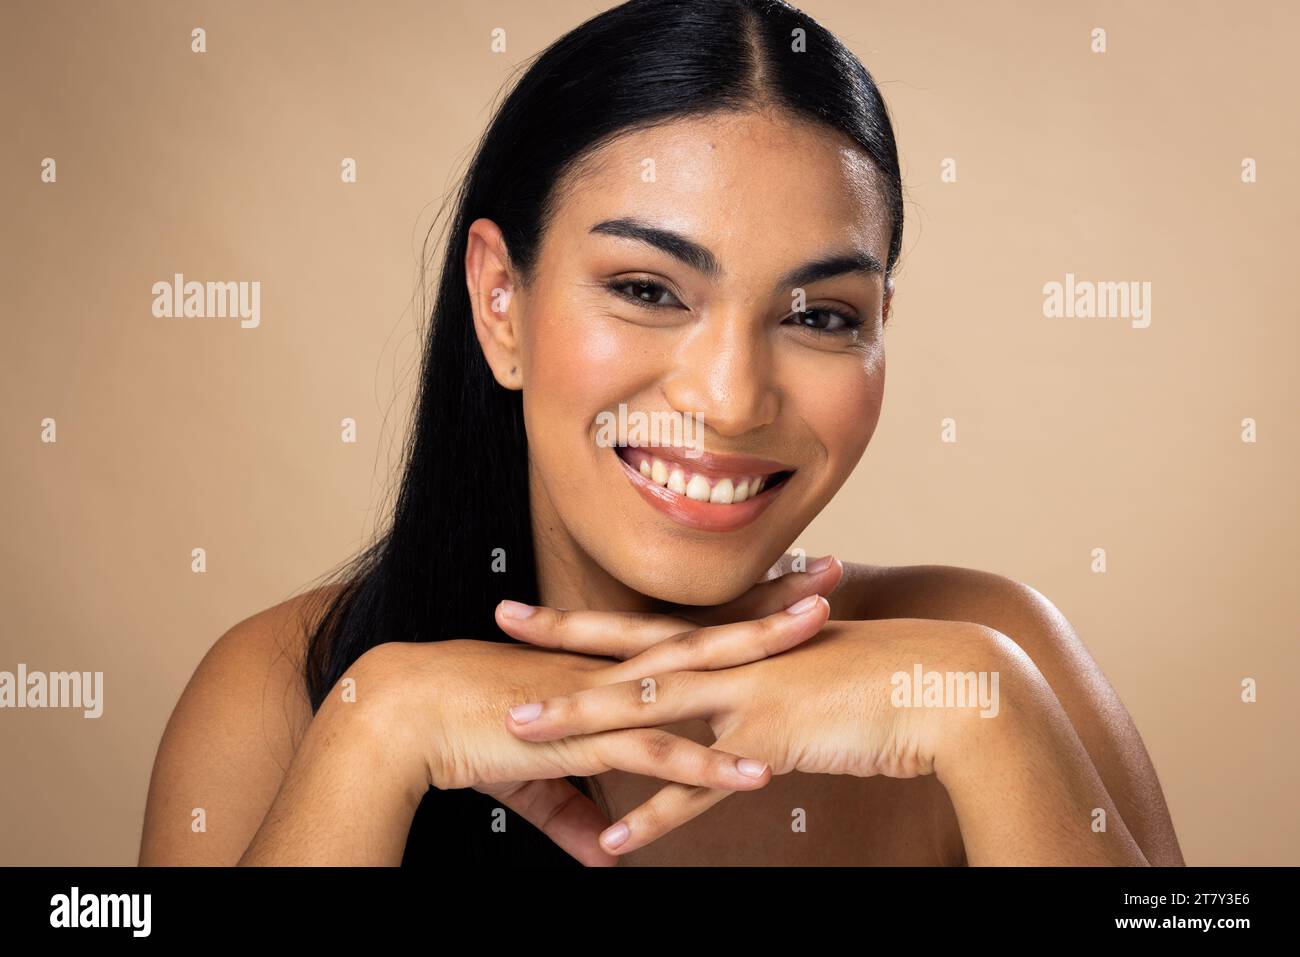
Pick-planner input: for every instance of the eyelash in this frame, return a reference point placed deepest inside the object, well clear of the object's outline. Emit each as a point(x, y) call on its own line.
point(851, 323)
point(616, 286)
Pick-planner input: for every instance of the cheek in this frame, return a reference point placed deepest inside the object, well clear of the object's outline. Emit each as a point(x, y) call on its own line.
point(575, 366)
point(563, 351)
point(842, 411)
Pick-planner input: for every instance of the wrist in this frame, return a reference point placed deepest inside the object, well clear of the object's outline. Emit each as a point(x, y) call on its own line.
point(1022, 785)
point(351, 789)
point(994, 729)
point(369, 712)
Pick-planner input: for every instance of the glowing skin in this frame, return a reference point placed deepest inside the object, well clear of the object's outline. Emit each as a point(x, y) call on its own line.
point(765, 194)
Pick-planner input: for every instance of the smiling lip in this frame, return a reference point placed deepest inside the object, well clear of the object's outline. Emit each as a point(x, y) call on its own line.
point(706, 516)
point(712, 462)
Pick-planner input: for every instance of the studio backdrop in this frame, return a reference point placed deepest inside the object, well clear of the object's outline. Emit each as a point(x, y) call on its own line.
point(1091, 356)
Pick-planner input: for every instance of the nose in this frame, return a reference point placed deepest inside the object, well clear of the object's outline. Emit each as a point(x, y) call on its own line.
point(723, 372)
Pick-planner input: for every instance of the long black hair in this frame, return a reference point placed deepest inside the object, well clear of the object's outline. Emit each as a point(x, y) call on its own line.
point(435, 572)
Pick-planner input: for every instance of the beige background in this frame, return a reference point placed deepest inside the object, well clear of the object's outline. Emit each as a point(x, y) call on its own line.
point(1072, 434)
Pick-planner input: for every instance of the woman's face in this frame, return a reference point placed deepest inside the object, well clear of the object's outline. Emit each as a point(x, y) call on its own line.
point(666, 297)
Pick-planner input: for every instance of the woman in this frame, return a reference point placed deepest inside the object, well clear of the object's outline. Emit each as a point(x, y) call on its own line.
point(684, 213)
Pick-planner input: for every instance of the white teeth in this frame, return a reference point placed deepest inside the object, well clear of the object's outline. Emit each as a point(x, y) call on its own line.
point(722, 493)
point(698, 488)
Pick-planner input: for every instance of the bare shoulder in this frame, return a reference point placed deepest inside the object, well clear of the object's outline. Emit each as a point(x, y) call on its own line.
point(231, 737)
point(950, 593)
point(1030, 619)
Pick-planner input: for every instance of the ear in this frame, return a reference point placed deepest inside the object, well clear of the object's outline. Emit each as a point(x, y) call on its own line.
point(889, 298)
point(492, 294)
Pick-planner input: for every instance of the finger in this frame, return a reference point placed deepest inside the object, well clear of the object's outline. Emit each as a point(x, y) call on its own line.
point(623, 635)
point(612, 634)
point(661, 754)
point(565, 815)
point(670, 808)
point(821, 578)
point(712, 648)
point(637, 703)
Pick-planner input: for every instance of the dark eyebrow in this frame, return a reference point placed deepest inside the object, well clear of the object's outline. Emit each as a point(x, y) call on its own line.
point(674, 244)
point(702, 260)
point(837, 265)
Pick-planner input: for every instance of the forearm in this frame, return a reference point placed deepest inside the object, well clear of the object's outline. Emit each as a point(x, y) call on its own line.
point(348, 797)
point(1023, 786)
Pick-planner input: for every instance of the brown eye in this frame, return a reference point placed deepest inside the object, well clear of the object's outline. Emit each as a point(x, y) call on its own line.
point(643, 292)
point(826, 320)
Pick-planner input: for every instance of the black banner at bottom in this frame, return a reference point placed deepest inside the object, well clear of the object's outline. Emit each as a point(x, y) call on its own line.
point(330, 905)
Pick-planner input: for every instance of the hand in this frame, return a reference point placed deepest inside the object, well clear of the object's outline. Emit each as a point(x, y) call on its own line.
point(823, 707)
point(626, 635)
point(474, 682)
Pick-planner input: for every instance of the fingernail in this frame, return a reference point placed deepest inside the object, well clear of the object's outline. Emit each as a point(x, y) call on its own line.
point(750, 768)
point(804, 606)
point(821, 564)
point(515, 609)
point(615, 836)
point(523, 713)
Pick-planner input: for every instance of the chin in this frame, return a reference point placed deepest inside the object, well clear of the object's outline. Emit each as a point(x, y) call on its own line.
point(688, 583)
